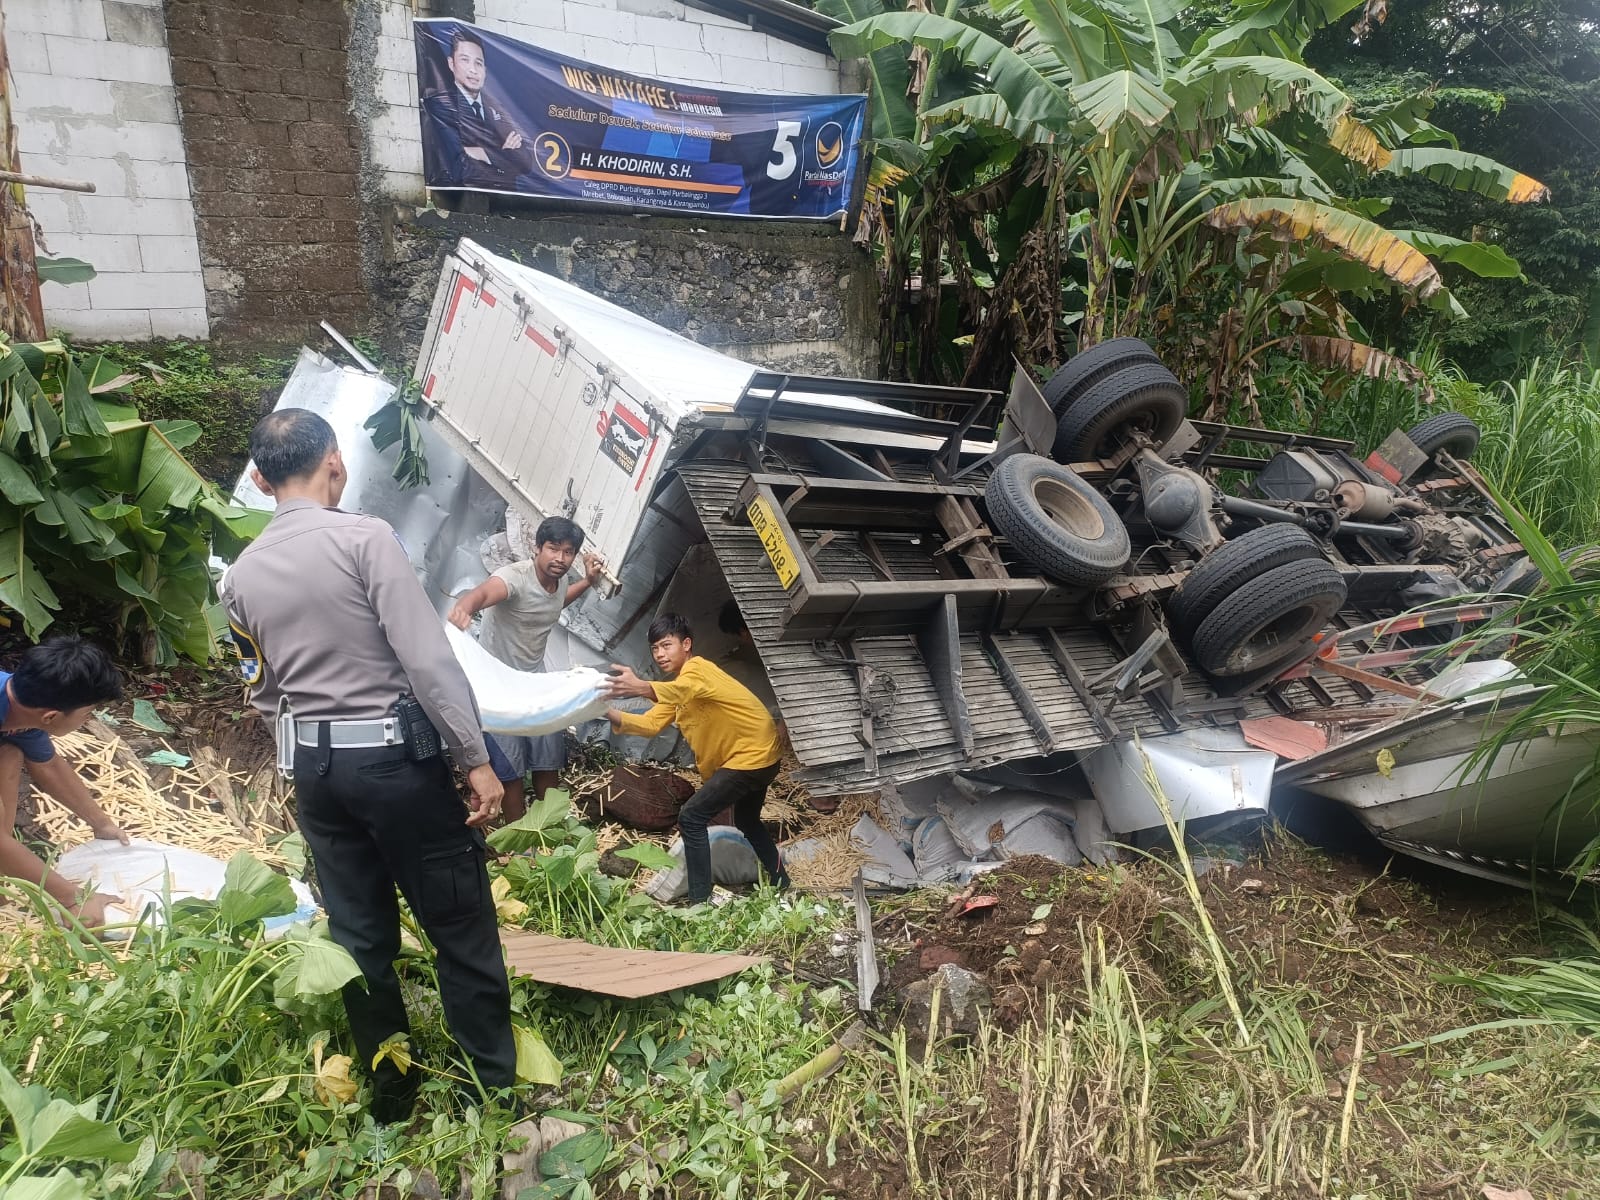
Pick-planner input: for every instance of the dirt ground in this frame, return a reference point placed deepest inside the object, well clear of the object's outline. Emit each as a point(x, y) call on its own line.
point(1359, 937)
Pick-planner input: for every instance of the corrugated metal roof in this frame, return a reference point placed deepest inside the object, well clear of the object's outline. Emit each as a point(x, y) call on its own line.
point(817, 688)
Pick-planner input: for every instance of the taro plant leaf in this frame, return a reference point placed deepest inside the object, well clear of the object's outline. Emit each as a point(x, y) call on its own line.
point(533, 828)
point(535, 1062)
point(63, 1185)
point(649, 856)
point(252, 890)
point(49, 1127)
point(579, 1157)
point(62, 270)
point(318, 965)
point(62, 1130)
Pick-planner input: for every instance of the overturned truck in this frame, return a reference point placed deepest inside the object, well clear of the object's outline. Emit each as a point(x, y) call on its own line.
point(940, 579)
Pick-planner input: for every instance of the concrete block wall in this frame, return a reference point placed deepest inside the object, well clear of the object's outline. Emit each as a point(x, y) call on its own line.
point(665, 39)
point(94, 100)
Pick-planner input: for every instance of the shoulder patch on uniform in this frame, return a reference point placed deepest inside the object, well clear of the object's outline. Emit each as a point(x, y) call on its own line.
point(250, 661)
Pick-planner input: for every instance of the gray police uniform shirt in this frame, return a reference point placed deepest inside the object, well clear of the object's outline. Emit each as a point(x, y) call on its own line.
point(517, 629)
point(329, 613)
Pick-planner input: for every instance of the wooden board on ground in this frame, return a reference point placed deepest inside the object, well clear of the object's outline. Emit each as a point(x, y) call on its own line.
point(630, 974)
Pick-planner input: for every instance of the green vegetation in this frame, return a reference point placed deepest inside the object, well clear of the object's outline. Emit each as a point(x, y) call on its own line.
point(103, 513)
point(203, 1049)
point(1206, 180)
point(201, 1055)
point(223, 395)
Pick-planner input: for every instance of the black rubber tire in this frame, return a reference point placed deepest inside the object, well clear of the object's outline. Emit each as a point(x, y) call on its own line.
point(1056, 521)
point(1446, 431)
point(1233, 564)
point(1146, 395)
point(1272, 619)
point(1522, 578)
point(1098, 362)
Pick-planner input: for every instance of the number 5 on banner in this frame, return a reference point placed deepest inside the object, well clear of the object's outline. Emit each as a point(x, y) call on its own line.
point(783, 147)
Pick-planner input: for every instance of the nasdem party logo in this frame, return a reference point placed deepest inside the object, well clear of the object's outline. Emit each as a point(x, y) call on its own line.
point(830, 145)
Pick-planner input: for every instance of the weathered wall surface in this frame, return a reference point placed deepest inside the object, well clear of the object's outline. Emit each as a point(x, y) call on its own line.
point(274, 157)
point(94, 101)
point(266, 173)
point(784, 296)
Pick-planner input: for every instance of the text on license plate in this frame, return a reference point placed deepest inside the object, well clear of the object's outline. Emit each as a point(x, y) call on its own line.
point(765, 523)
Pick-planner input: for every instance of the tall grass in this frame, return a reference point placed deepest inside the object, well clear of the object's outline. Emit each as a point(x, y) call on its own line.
point(1541, 445)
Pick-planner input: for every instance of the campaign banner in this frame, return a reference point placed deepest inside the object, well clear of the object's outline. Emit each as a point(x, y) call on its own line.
point(500, 115)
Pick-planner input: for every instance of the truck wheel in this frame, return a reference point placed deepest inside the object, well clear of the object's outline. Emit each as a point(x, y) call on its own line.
point(1141, 398)
point(1098, 362)
point(1271, 619)
point(1448, 431)
point(1058, 523)
point(1233, 564)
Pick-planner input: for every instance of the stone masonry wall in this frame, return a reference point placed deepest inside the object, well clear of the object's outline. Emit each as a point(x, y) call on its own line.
point(274, 159)
point(93, 101)
point(787, 297)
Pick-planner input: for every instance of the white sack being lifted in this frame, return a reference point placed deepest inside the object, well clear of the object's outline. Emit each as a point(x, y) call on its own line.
point(527, 703)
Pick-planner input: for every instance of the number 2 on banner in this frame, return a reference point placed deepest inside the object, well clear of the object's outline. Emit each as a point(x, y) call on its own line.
point(783, 147)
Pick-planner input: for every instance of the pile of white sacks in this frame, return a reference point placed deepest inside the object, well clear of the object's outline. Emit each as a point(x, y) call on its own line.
point(950, 828)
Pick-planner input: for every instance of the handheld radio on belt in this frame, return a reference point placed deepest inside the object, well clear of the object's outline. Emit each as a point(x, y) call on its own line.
point(421, 738)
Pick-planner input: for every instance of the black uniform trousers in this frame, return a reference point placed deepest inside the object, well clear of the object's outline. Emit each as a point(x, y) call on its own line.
point(374, 820)
point(744, 792)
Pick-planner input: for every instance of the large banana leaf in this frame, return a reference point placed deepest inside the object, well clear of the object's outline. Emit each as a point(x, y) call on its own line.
point(1274, 26)
point(22, 588)
point(1029, 93)
point(1123, 101)
point(1358, 358)
point(887, 69)
point(1345, 233)
point(1468, 173)
point(1491, 262)
point(1359, 143)
point(1251, 89)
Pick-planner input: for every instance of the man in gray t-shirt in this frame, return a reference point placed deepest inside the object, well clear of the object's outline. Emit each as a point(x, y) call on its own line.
point(521, 603)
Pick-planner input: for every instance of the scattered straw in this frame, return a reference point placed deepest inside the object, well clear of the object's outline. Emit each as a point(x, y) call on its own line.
point(198, 808)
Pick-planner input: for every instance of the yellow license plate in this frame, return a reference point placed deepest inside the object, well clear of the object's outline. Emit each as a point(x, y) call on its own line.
point(765, 523)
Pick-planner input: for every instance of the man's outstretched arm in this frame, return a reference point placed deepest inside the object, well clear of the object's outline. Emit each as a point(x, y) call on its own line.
point(487, 594)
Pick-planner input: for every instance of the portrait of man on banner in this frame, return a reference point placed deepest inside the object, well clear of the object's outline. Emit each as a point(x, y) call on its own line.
point(468, 138)
point(508, 117)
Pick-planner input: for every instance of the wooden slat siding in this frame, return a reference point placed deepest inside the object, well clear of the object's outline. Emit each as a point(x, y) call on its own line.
point(818, 697)
point(631, 974)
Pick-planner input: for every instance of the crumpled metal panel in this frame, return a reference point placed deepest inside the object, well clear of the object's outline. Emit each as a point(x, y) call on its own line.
point(442, 526)
point(1208, 774)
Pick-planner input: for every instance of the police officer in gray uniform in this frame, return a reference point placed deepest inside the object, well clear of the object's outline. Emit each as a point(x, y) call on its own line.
point(331, 620)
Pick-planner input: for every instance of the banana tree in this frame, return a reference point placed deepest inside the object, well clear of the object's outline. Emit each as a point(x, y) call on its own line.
point(1117, 99)
point(103, 508)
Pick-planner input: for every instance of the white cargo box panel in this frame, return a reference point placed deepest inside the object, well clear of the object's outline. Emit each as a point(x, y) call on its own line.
point(567, 404)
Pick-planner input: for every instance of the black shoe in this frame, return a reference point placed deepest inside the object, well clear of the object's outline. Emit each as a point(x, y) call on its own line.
point(394, 1099)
